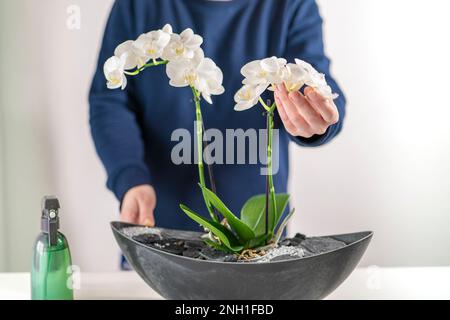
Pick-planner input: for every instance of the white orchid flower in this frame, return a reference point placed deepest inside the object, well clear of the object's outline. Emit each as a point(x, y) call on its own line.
point(167, 29)
point(267, 71)
point(294, 77)
point(327, 92)
point(183, 72)
point(114, 72)
point(316, 80)
point(248, 96)
point(135, 56)
point(153, 43)
point(210, 79)
point(198, 72)
point(259, 75)
point(187, 65)
point(313, 78)
point(182, 46)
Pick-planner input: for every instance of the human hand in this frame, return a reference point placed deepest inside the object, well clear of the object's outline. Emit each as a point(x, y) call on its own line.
point(305, 115)
point(138, 205)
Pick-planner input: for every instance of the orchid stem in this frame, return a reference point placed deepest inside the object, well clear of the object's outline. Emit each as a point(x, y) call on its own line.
point(267, 181)
point(212, 181)
point(270, 189)
point(145, 66)
point(201, 174)
point(264, 104)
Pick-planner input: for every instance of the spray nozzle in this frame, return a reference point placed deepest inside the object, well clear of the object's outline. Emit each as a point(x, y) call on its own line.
point(50, 219)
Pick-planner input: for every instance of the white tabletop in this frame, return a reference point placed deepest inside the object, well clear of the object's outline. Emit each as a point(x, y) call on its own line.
point(364, 283)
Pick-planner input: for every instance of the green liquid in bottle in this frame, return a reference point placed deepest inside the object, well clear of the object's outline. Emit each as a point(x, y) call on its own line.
point(51, 275)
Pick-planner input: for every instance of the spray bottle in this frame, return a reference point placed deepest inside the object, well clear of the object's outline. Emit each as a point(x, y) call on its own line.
point(51, 265)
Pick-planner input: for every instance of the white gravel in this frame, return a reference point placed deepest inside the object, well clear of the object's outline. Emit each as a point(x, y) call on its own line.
point(296, 252)
point(136, 231)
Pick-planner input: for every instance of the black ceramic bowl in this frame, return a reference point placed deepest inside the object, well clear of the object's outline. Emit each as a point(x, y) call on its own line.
point(179, 277)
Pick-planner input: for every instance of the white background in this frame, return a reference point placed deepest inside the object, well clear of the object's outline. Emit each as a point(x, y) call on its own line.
point(389, 170)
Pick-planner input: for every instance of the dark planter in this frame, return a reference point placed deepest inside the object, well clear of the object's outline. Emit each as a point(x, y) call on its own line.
point(179, 277)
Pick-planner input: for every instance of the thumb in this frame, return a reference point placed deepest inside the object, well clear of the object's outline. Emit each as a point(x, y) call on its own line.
point(130, 211)
point(146, 216)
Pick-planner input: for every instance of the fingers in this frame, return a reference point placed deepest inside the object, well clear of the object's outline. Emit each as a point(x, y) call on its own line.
point(302, 115)
point(317, 124)
point(146, 207)
point(326, 108)
point(138, 206)
point(290, 114)
point(284, 117)
point(129, 212)
point(294, 123)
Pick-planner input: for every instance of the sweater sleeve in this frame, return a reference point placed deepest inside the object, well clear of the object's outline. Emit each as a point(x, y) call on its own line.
point(305, 41)
point(112, 114)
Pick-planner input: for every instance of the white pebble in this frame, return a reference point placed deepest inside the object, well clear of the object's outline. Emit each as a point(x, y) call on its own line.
point(136, 231)
point(281, 251)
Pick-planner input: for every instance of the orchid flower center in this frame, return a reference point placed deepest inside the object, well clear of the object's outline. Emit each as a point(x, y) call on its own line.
point(262, 74)
point(151, 51)
point(245, 95)
point(179, 51)
point(114, 80)
point(190, 78)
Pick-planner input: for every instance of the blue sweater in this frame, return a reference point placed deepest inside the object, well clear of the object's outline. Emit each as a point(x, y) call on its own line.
point(132, 128)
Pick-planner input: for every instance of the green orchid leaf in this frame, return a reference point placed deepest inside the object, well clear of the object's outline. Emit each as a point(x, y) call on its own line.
point(282, 202)
point(226, 236)
point(216, 245)
point(258, 241)
point(243, 231)
point(283, 226)
point(253, 212)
